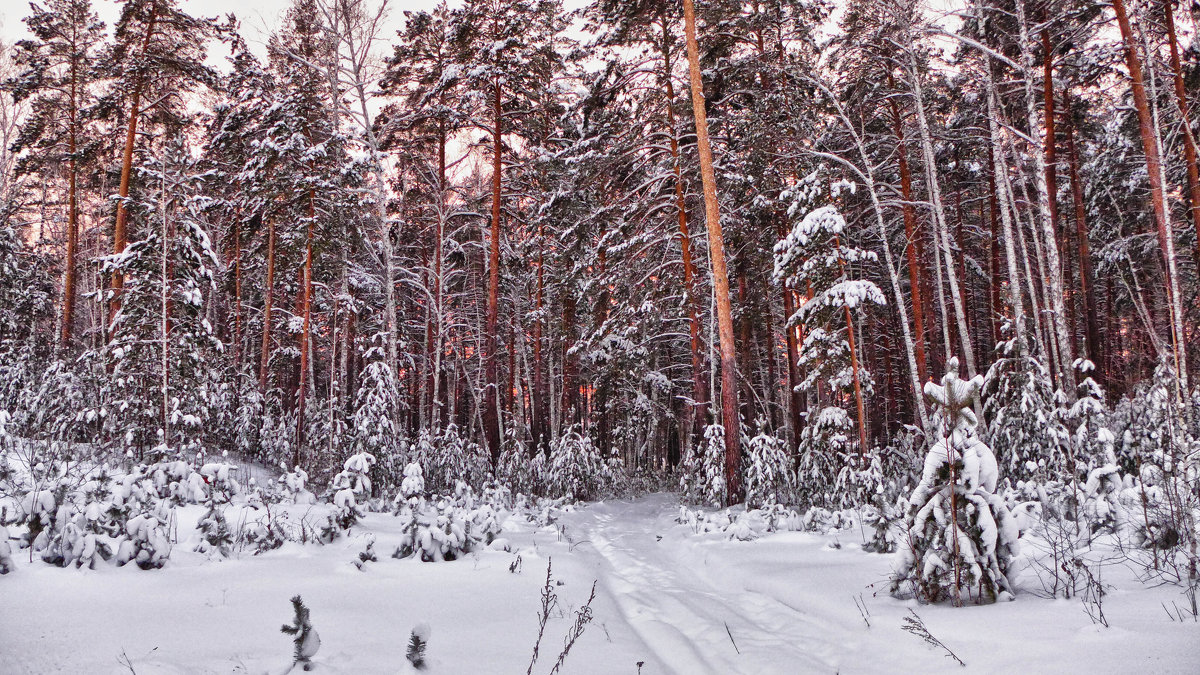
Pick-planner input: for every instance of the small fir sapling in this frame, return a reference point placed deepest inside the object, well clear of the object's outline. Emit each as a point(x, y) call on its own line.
point(306, 640)
point(961, 537)
point(215, 535)
point(418, 640)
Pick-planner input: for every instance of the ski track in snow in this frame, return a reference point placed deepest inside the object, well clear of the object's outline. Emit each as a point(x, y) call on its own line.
point(692, 622)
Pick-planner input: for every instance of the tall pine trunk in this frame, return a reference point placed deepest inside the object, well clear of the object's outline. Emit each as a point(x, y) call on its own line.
point(491, 412)
point(716, 247)
point(1189, 139)
point(699, 388)
point(1158, 200)
point(119, 236)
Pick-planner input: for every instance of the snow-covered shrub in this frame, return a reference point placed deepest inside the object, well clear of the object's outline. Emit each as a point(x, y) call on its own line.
point(702, 478)
point(176, 481)
point(886, 523)
point(741, 524)
point(768, 473)
point(146, 540)
point(215, 536)
point(6, 560)
point(1091, 441)
point(350, 487)
point(961, 537)
point(222, 486)
point(576, 469)
point(1022, 415)
point(520, 472)
point(294, 486)
point(265, 533)
point(825, 450)
point(446, 528)
point(414, 482)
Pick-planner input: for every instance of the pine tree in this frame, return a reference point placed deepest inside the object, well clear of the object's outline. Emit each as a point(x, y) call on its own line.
point(961, 537)
point(59, 69)
point(816, 257)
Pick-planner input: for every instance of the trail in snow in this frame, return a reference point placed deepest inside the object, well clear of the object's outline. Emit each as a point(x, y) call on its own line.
point(697, 620)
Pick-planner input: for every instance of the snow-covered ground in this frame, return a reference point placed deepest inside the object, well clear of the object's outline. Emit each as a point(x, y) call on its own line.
point(667, 598)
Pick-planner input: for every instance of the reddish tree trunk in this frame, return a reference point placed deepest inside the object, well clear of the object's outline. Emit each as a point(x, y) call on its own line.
point(306, 312)
point(699, 384)
point(1153, 169)
point(716, 245)
point(491, 415)
point(1189, 140)
point(119, 236)
point(1086, 279)
point(265, 360)
point(911, 243)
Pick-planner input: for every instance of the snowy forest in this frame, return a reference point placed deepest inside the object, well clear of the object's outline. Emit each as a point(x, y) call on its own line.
point(786, 326)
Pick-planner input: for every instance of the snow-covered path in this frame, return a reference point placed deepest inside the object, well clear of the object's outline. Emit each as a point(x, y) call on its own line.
point(695, 623)
point(790, 603)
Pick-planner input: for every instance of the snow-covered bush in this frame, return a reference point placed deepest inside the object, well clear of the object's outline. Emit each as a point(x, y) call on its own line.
point(350, 487)
point(825, 449)
point(147, 542)
point(215, 535)
point(576, 469)
point(741, 524)
point(294, 486)
point(520, 472)
point(222, 486)
point(702, 473)
point(6, 561)
point(961, 537)
point(446, 528)
point(768, 472)
point(1022, 414)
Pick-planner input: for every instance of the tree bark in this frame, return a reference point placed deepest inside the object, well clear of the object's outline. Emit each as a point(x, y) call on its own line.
point(302, 387)
point(910, 234)
point(1048, 215)
point(1086, 279)
point(68, 306)
point(699, 388)
point(491, 413)
point(1157, 193)
point(1185, 120)
point(716, 245)
point(119, 236)
point(265, 360)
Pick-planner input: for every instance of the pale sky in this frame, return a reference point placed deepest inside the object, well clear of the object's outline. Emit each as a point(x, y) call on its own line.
point(257, 17)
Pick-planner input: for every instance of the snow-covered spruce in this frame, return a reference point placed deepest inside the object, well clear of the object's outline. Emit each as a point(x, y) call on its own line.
point(418, 641)
point(1021, 412)
point(576, 469)
point(702, 473)
point(961, 537)
point(768, 478)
